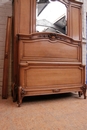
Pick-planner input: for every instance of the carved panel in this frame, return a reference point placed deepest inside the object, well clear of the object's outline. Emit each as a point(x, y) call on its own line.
point(75, 21)
point(51, 48)
point(47, 75)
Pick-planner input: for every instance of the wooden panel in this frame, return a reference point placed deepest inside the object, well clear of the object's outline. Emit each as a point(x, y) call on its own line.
point(24, 17)
point(48, 47)
point(15, 28)
point(27, 16)
point(48, 50)
point(33, 16)
point(74, 21)
point(6, 59)
point(24, 21)
point(75, 18)
point(49, 76)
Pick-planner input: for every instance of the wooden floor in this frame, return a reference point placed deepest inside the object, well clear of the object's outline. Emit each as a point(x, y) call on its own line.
point(55, 112)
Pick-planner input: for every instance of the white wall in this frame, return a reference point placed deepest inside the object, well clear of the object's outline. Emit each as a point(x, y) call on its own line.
point(84, 31)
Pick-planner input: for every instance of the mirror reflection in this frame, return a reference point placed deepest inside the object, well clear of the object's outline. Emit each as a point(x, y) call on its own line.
point(51, 16)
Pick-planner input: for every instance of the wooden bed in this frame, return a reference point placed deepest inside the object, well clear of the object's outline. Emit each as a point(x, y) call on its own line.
point(49, 63)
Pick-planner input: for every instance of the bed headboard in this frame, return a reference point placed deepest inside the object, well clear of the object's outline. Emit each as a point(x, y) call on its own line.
point(48, 47)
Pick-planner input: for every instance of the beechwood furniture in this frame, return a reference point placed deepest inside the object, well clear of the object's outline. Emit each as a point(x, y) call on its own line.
point(6, 59)
point(46, 62)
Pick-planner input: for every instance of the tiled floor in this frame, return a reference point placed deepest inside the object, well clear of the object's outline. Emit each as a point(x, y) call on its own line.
point(56, 112)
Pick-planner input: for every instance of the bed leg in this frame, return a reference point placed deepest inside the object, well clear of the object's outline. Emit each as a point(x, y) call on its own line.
point(84, 91)
point(21, 93)
point(14, 92)
point(80, 93)
point(19, 96)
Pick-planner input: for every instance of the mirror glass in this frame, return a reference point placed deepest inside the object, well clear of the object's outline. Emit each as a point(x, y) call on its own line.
point(51, 16)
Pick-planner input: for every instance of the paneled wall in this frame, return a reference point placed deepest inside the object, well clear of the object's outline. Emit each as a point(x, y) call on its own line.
point(5, 10)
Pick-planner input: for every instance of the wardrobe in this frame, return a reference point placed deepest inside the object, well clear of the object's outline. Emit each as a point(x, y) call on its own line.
point(46, 62)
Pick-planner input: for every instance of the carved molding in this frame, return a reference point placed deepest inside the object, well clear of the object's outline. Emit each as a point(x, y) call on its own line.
point(47, 35)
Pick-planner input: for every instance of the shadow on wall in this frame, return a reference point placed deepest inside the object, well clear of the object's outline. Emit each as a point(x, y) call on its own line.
point(5, 11)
